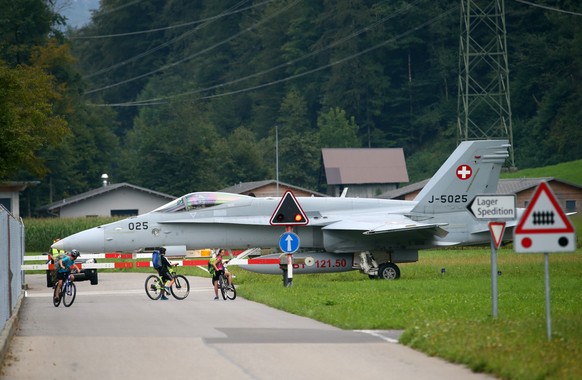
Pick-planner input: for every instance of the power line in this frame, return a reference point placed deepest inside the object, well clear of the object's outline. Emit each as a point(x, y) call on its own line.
point(275, 14)
point(154, 49)
point(211, 18)
point(548, 8)
point(108, 11)
point(334, 63)
point(289, 63)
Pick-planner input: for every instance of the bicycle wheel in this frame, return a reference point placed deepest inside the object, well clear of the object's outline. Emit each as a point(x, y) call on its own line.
point(56, 301)
point(153, 288)
point(69, 294)
point(181, 287)
point(230, 291)
point(221, 285)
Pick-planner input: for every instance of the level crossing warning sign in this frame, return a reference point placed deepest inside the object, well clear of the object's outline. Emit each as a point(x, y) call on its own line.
point(544, 227)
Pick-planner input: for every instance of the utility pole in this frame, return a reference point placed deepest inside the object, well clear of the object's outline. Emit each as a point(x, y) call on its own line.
point(484, 105)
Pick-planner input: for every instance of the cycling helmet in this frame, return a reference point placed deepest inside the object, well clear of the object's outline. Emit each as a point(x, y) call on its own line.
point(75, 253)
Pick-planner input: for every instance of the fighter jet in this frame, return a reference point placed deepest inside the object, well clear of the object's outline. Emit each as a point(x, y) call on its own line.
point(342, 234)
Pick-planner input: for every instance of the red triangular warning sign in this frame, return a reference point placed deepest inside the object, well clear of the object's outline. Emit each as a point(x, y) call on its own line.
point(544, 214)
point(544, 227)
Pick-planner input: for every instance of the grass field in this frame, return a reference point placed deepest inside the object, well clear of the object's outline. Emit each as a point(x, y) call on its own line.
point(449, 315)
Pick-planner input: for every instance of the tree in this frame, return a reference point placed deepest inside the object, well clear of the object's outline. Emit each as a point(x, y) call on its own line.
point(241, 158)
point(172, 149)
point(299, 159)
point(25, 24)
point(293, 114)
point(336, 131)
point(28, 122)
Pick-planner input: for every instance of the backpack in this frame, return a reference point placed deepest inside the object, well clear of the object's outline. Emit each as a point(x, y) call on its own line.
point(210, 266)
point(56, 260)
point(156, 262)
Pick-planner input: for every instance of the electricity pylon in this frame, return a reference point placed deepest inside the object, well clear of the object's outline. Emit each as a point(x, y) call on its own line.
point(484, 106)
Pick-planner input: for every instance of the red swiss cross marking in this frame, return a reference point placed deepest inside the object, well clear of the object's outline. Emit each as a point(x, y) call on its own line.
point(464, 172)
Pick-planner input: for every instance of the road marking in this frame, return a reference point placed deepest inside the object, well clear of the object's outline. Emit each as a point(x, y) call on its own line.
point(377, 334)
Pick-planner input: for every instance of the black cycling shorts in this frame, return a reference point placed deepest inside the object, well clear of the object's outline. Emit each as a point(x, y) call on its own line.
point(216, 274)
point(165, 274)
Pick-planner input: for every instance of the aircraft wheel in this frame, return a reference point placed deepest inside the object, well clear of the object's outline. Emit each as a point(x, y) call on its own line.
point(389, 271)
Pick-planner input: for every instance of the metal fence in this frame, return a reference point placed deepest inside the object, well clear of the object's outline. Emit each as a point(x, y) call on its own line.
point(11, 258)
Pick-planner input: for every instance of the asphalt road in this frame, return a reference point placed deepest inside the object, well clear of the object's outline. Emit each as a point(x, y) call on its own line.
point(114, 331)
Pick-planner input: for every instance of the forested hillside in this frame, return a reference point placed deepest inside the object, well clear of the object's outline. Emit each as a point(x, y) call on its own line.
point(180, 96)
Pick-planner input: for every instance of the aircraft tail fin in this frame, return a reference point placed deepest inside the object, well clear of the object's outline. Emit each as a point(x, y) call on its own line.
point(472, 169)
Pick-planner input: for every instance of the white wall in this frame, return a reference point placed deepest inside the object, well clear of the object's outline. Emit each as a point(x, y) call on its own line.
point(120, 199)
point(14, 196)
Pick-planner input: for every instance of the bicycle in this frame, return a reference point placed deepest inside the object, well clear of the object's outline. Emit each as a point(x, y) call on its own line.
point(226, 291)
point(155, 287)
point(68, 292)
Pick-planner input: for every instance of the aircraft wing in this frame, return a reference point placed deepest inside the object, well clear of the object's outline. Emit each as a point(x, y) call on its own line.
point(388, 224)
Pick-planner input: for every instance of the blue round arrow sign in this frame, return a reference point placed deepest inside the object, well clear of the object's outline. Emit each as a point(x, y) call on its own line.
point(289, 242)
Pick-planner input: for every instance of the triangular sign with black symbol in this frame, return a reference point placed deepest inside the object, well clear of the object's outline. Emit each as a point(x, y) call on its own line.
point(289, 212)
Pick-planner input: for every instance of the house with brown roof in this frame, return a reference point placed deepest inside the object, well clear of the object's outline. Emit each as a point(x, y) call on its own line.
point(270, 188)
point(121, 199)
point(569, 195)
point(366, 172)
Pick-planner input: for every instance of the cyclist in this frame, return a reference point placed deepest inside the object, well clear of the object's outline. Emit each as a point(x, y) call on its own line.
point(218, 267)
point(64, 269)
point(164, 272)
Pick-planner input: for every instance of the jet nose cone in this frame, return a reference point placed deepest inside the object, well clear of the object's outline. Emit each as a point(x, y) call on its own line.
point(58, 245)
point(91, 241)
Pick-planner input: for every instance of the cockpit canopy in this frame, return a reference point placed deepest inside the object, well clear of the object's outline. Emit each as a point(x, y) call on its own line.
point(195, 201)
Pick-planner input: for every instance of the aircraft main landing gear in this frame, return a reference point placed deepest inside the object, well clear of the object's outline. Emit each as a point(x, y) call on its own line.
point(389, 271)
point(386, 271)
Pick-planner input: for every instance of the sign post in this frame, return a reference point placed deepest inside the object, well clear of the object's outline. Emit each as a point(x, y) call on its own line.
point(544, 228)
point(289, 213)
point(494, 207)
point(497, 229)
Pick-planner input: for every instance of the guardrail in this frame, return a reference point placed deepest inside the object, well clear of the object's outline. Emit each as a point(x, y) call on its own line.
point(114, 265)
point(199, 262)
